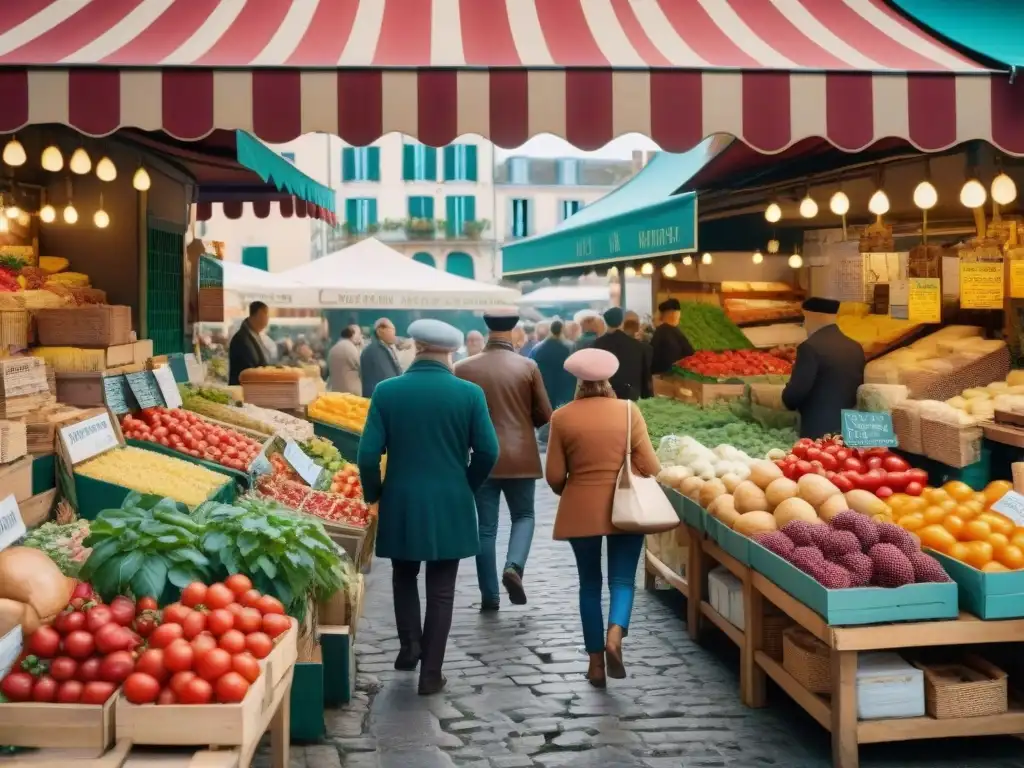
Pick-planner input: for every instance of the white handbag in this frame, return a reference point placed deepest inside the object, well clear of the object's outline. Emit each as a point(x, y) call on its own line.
point(639, 506)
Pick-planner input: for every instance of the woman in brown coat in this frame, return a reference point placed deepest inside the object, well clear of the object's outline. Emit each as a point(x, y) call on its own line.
point(586, 450)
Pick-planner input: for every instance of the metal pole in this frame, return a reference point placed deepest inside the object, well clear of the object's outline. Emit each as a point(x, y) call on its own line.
point(622, 287)
point(494, 213)
point(324, 226)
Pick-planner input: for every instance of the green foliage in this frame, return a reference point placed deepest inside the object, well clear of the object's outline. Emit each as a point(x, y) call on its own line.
point(707, 327)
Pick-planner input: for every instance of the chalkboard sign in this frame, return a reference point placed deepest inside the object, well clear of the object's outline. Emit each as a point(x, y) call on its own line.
point(868, 430)
point(178, 367)
point(117, 395)
point(144, 388)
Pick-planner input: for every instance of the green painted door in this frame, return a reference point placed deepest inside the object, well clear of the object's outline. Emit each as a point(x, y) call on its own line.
point(165, 288)
point(424, 258)
point(461, 264)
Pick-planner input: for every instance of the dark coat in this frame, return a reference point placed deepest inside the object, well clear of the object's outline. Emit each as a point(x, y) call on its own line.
point(585, 341)
point(828, 370)
point(245, 351)
point(377, 364)
point(633, 379)
point(550, 356)
point(670, 345)
point(440, 446)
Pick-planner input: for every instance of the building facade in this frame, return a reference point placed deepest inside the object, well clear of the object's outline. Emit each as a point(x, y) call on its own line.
point(451, 208)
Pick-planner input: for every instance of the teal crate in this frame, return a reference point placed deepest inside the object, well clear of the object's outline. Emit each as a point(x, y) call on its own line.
point(242, 478)
point(863, 605)
point(986, 595)
point(694, 515)
point(338, 652)
point(94, 496)
point(307, 698)
point(735, 544)
point(44, 473)
point(675, 499)
point(345, 441)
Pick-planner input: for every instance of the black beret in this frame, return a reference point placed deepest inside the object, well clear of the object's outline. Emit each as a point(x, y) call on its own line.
point(502, 322)
point(614, 316)
point(821, 306)
point(669, 305)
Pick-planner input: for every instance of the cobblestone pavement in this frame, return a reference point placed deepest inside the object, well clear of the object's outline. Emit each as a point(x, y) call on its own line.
point(516, 696)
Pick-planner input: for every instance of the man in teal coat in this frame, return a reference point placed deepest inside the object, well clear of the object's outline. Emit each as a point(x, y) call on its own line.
point(441, 446)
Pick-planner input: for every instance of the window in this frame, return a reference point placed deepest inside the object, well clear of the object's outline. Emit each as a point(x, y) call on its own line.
point(361, 214)
point(421, 207)
point(460, 162)
point(521, 218)
point(360, 164)
point(289, 156)
point(519, 170)
point(459, 210)
point(460, 264)
point(419, 162)
point(424, 258)
point(202, 229)
point(569, 207)
point(256, 256)
point(568, 172)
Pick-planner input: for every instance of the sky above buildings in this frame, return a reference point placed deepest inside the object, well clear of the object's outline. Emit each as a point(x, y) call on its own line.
point(547, 145)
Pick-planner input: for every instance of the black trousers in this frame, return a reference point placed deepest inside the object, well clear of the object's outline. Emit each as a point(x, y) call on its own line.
point(431, 634)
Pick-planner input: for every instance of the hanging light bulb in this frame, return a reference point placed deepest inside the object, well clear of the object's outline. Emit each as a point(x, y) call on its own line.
point(879, 203)
point(14, 153)
point(1004, 191)
point(705, 259)
point(757, 258)
point(52, 160)
point(925, 195)
point(773, 246)
point(687, 261)
point(612, 271)
point(647, 269)
point(70, 214)
point(80, 162)
point(142, 182)
point(24, 219)
point(106, 170)
point(808, 208)
point(839, 204)
point(795, 261)
point(669, 270)
point(629, 272)
point(12, 211)
point(101, 219)
point(972, 194)
point(48, 214)
point(773, 213)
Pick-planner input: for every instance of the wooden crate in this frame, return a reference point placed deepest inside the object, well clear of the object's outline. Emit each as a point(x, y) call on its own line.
point(281, 395)
point(21, 376)
point(13, 441)
point(357, 542)
point(951, 444)
point(66, 726)
point(705, 393)
point(100, 325)
point(36, 510)
point(86, 390)
point(16, 479)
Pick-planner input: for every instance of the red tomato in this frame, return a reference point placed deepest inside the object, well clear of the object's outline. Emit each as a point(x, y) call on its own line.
point(116, 667)
point(194, 594)
point(97, 692)
point(68, 621)
point(274, 624)
point(874, 462)
point(829, 462)
point(919, 476)
point(219, 596)
point(97, 616)
point(151, 663)
point(202, 643)
point(268, 604)
point(212, 664)
point(88, 670)
point(166, 697)
point(175, 613)
point(145, 604)
point(884, 492)
point(897, 480)
point(141, 688)
point(259, 645)
point(196, 691)
point(249, 620)
point(245, 665)
point(238, 583)
point(250, 598)
point(232, 641)
point(113, 637)
point(914, 489)
point(63, 668)
point(44, 642)
point(165, 634)
point(17, 686)
point(894, 464)
point(178, 656)
point(145, 623)
point(45, 689)
point(122, 610)
point(843, 483)
point(79, 644)
point(194, 624)
point(180, 680)
point(231, 688)
point(70, 692)
point(220, 621)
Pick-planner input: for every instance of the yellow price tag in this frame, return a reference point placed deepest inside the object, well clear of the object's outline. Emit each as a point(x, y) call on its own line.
point(1017, 279)
point(924, 300)
point(981, 285)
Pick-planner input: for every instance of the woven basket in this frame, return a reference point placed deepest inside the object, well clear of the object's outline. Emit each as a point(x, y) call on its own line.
point(974, 688)
point(775, 627)
point(978, 373)
point(806, 658)
point(951, 444)
point(14, 328)
point(906, 423)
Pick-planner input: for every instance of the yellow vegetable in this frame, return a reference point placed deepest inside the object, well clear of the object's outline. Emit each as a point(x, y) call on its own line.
point(53, 264)
point(150, 472)
point(340, 409)
point(71, 279)
point(72, 359)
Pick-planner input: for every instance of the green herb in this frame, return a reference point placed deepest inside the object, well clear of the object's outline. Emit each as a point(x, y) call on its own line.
point(148, 547)
point(707, 327)
point(64, 544)
point(212, 394)
point(324, 453)
point(711, 426)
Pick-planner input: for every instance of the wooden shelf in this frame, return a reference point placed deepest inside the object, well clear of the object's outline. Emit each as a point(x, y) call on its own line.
point(816, 706)
point(911, 728)
point(670, 576)
point(733, 632)
point(730, 563)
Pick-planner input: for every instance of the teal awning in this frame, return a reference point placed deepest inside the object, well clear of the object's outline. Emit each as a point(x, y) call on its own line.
point(274, 169)
point(991, 29)
point(641, 219)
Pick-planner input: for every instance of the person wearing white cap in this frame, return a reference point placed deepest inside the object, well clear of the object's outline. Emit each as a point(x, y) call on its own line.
point(591, 328)
point(427, 421)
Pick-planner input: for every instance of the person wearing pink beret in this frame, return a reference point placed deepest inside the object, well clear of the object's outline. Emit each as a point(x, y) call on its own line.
point(586, 450)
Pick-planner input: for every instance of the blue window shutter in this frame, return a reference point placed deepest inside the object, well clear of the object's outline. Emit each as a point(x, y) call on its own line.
point(451, 205)
point(414, 207)
point(428, 208)
point(371, 217)
point(372, 172)
point(409, 162)
point(348, 164)
point(429, 164)
point(256, 256)
point(424, 258)
point(471, 162)
point(469, 210)
point(352, 214)
point(449, 163)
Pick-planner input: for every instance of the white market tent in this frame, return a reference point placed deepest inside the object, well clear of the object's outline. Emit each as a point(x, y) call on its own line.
point(372, 275)
point(567, 294)
point(253, 284)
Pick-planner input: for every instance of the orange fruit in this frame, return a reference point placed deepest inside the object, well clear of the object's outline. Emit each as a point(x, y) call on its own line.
point(958, 490)
point(911, 522)
point(1017, 539)
point(967, 511)
point(935, 495)
point(979, 553)
point(936, 537)
point(998, 540)
point(897, 501)
point(995, 490)
point(977, 530)
point(997, 522)
point(950, 504)
point(934, 514)
point(979, 497)
point(959, 551)
point(915, 504)
point(1010, 556)
point(954, 524)
point(994, 566)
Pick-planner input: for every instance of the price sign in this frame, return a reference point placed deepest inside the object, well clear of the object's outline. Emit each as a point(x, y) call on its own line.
point(12, 526)
point(924, 300)
point(10, 649)
point(1017, 279)
point(117, 395)
point(981, 285)
point(308, 469)
point(144, 388)
point(1011, 505)
point(868, 430)
point(178, 367)
point(89, 438)
point(168, 386)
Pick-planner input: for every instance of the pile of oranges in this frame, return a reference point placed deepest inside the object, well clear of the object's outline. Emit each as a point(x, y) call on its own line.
point(958, 521)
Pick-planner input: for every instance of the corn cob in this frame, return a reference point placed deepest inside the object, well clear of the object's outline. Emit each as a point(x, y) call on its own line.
point(72, 359)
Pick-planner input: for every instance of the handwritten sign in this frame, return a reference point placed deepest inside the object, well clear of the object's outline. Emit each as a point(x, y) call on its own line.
point(308, 469)
point(868, 430)
point(924, 300)
point(10, 649)
point(1017, 279)
point(168, 386)
point(88, 438)
point(981, 285)
point(178, 367)
point(144, 388)
point(12, 526)
point(1011, 505)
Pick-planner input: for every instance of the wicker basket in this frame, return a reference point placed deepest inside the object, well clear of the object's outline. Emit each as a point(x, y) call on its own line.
point(974, 688)
point(14, 328)
point(978, 373)
point(806, 658)
point(951, 444)
point(775, 626)
point(906, 423)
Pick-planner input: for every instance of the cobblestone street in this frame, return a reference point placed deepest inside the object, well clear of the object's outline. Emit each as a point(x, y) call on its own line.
point(516, 696)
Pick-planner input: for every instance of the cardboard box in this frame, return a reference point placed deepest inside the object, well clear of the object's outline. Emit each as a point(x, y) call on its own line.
point(16, 478)
point(142, 350)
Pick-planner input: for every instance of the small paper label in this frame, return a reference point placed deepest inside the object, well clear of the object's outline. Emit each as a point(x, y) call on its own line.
point(1011, 505)
point(862, 429)
point(168, 386)
point(89, 438)
point(12, 526)
point(308, 469)
point(10, 650)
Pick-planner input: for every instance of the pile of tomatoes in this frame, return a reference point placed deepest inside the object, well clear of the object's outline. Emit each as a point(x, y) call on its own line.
point(186, 432)
point(877, 470)
point(206, 648)
point(82, 657)
point(739, 362)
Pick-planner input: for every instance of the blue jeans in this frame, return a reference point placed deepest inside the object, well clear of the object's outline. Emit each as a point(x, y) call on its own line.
point(623, 553)
point(519, 494)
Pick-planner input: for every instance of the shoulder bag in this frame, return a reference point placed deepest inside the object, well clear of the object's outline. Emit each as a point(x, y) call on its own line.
point(639, 506)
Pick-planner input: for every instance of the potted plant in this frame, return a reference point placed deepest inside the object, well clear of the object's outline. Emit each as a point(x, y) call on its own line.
point(474, 228)
point(419, 227)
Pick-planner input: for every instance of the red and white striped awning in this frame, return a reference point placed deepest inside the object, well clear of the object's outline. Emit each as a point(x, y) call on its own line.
point(770, 72)
point(286, 208)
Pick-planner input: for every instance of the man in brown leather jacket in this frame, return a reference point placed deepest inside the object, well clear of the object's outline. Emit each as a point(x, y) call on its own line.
point(519, 406)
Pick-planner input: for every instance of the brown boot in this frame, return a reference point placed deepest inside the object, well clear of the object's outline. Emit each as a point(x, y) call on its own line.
point(595, 675)
point(613, 653)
